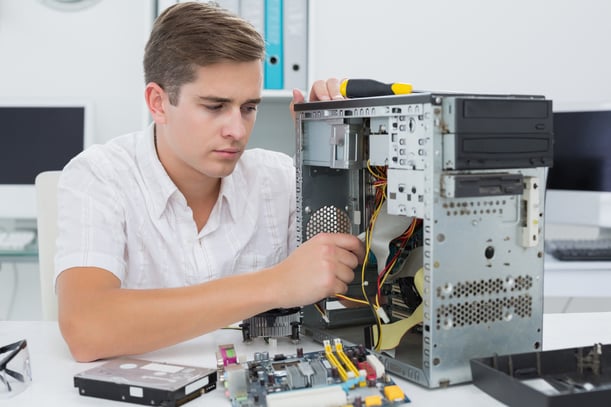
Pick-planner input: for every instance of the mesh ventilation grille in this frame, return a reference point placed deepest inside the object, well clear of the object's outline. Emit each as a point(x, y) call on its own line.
point(490, 286)
point(328, 219)
point(483, 312)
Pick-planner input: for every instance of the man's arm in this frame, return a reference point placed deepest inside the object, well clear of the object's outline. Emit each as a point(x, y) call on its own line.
point(99, 319)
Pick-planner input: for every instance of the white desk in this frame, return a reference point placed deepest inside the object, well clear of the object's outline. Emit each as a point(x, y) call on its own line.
point(53, 368)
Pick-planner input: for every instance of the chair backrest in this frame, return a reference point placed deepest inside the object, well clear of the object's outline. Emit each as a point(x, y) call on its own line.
point(46, 200)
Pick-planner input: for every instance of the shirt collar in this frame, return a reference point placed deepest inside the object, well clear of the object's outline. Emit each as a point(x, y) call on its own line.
point(228, 193)
point(159, 184)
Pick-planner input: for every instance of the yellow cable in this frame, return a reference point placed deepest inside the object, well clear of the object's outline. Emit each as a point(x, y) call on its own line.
point(351, 299)
point(390, 334)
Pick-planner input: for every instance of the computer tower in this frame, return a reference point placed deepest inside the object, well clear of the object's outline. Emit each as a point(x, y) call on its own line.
point(447, 192)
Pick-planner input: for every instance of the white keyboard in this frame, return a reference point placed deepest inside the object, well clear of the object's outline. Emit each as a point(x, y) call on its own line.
point(16, 240)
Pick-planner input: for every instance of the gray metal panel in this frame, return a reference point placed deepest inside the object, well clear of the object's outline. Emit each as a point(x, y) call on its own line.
point(483, 255)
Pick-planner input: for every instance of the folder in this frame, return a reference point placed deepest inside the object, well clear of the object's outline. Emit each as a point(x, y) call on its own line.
point(253, 11)
point(230, 5)
point(295, 43)
point(274, 61)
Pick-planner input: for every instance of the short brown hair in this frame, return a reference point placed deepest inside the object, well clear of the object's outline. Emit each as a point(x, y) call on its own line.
point(191, 35)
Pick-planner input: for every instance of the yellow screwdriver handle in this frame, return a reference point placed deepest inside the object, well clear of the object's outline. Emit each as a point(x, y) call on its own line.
point(359, 88)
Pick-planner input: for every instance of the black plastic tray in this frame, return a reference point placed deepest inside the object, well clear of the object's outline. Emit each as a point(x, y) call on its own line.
point(558, 378)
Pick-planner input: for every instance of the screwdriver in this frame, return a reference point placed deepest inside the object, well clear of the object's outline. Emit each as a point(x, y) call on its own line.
point(359, 88)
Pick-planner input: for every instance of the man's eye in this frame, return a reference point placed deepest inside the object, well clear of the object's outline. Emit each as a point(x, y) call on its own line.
point(249, 108)
point(214, 107)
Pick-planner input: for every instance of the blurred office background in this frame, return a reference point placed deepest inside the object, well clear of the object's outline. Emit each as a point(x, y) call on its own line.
point(49, 51)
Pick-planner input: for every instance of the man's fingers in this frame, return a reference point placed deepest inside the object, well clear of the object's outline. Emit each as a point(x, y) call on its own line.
point(345, 275)
point(333, 88)
point(348, 258)
point(340, 288)
point(326, 90)
point(319, 91)
point(297, 98)
point(352, 244)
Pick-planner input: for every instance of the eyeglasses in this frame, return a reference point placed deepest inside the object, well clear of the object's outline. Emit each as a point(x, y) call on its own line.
point(15, 370)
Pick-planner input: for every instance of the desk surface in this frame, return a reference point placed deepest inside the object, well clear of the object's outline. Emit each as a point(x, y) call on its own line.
point(53, 368)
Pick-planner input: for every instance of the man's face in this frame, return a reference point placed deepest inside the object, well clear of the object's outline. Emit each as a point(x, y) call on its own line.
point(204, 135)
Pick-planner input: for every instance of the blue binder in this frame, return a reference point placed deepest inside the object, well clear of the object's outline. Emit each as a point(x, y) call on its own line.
point(274, 61)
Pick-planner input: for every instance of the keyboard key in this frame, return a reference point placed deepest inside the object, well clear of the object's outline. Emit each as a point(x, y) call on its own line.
point(580, 250)
point(16, 240)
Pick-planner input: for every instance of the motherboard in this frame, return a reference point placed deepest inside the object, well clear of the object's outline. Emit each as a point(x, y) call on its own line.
point(334, 376)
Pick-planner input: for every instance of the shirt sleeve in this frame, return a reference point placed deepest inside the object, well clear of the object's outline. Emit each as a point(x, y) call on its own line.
point(91, 217)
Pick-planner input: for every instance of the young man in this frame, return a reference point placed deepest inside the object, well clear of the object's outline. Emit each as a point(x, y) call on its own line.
point(176, 231)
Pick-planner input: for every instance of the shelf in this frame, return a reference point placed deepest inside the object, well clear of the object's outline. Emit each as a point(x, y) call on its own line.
point(279, 95)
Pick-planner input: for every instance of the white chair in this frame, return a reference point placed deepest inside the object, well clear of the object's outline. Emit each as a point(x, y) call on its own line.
point(46, 199)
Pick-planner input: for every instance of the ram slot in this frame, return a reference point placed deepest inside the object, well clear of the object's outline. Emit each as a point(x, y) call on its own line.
point(333, 360)
point(339, 349)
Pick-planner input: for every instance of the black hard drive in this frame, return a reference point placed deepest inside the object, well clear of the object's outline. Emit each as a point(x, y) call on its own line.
point(146, 382)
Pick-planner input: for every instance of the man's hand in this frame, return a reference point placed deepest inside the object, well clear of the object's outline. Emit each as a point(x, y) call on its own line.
point(319, 268)
point(321, 90)
point(325, 90)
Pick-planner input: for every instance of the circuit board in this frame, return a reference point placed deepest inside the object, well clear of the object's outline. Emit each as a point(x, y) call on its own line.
point(334, 376)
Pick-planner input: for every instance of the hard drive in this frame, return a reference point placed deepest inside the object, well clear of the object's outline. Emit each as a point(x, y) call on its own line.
point(146, 382)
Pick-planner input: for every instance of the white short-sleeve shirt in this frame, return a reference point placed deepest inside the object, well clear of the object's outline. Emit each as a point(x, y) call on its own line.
point(119, 210)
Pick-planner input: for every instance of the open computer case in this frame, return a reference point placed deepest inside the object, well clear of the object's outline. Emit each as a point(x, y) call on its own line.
point(447, 191)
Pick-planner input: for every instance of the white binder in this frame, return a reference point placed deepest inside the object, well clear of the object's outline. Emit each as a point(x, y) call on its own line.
point(295, 44)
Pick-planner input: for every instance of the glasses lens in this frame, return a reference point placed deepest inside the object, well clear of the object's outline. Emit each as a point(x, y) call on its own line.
point(17, 374)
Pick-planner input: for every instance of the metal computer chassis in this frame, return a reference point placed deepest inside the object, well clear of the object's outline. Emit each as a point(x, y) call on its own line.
point(472, 169)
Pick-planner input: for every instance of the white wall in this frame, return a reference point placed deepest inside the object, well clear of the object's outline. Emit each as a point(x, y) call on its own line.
point(556, 48)
point(559, 48)
point(94, 54)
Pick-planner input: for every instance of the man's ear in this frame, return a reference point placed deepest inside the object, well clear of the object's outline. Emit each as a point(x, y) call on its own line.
point(155, 96)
